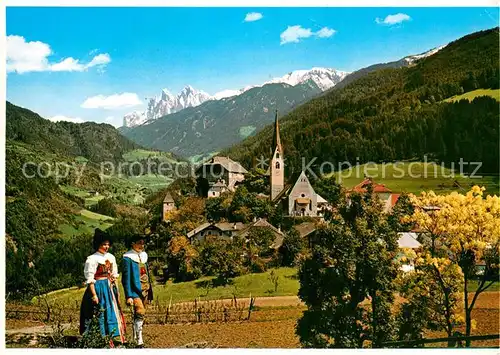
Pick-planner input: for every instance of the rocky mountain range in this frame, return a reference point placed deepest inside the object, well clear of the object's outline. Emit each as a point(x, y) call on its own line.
point(215, 124)
point(195, 131)
point(167, 103)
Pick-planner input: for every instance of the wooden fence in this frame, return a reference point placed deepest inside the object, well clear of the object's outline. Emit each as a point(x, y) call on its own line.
point(157, 313)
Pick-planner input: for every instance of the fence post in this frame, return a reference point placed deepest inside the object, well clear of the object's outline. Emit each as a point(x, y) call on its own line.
point(250, 306)
point(168, 309)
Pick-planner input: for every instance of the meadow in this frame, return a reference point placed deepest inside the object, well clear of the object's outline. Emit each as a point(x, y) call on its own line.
point(414, 177)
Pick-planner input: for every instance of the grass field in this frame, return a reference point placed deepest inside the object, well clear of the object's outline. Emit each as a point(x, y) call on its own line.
point(414, 177)
point(139, 154)
point(85, 223)
point(152, 181)
point(246, 131)
point(242, 286)
point(471, 95)
point(196, 159)
point(258, 285)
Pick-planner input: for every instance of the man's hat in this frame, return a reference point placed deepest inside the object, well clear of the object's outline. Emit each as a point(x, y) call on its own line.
point(100, 237)
point(136, 237)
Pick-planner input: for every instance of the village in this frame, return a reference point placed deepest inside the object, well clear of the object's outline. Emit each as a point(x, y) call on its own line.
point(221, 174)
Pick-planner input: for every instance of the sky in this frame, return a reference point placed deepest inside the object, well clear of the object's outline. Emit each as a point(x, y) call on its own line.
point(97, 64)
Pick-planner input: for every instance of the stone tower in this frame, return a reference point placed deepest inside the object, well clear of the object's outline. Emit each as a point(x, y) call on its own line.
point(277, 166)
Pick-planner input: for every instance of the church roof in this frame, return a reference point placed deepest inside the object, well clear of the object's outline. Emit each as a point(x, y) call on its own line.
point(283, 192)
point(320, 199)
point(276, 136)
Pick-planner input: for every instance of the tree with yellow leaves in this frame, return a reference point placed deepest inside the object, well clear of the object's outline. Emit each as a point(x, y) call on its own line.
point(464, 229)
point(433, 297)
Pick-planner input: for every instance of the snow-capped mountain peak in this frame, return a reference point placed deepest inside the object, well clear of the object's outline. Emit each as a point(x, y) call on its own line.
point(135, 118)
point(166, 95)
point(412, 58)
point(325, 78)
point(167, 103)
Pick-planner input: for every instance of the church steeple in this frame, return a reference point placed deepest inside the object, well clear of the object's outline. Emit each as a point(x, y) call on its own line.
point(277, 168)
point(276, 135)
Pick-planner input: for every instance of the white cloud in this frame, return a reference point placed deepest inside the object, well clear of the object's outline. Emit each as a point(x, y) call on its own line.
point(325, 32)
point(100, 59)
point(24, 57)
point(393, 19)
point(115, 101)
point(64, 118)
point(253, 16)
point(293, 34)
point(68, 64)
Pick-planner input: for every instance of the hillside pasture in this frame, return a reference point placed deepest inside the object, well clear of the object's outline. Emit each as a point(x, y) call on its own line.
point(415, 177)
point(471, 95)
point(85, 223)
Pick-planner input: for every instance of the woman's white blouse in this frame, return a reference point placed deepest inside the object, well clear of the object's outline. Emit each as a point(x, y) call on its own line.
point(93, 261)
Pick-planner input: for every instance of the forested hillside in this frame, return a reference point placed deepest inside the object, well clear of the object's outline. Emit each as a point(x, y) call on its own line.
point(48, 228)
point(96, 142)
point(396, 114)
point(196, 131)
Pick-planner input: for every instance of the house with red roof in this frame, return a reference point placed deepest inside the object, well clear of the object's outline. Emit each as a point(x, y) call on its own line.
point(385, 194)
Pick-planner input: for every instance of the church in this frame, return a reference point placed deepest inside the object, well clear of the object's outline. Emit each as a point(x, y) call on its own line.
point(299, 199)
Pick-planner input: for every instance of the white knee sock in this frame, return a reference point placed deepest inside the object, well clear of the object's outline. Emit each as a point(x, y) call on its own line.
point(138, 331)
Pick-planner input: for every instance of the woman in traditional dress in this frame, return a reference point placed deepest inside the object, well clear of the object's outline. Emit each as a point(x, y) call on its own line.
point(101, 273)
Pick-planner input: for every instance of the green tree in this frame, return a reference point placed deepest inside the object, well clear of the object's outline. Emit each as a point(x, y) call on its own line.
point(221, 258)
point(293, 245)
point(328, 188)
point(260, 240)
point(180, 257)
point(106, 206)
point(401, 209)
point(256, 181)
point(352, 259)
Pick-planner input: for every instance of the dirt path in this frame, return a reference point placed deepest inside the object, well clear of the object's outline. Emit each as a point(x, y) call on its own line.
point(39, 329)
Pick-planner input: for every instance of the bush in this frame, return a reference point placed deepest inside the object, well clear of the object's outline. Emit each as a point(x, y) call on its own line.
point(181, 256)
point(258, 265)
point(221, 258)
point(91, 338)
point(293, 245)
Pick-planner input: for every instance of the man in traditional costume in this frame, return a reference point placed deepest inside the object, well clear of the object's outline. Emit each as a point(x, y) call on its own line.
point(136, 283)
point(100, 273)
